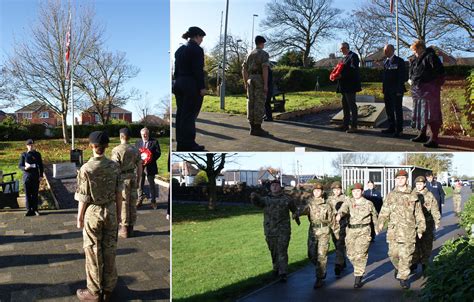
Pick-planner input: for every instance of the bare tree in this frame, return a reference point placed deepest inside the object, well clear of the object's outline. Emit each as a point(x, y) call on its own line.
point(38, 63)
point(7, 90)
point(299, 24)
point(416, 21)
point(212, 163)
point(437, 162)
point(354, 158)
point(460, 14)
point(102, 76)
point(360, 35)
point(237, 50)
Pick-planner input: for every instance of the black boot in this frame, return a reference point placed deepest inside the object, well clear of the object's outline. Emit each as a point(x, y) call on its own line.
point(395, 274)
point(256, 130)
point(389, 130)
point(421, 138)
point(404, 284)
point(431, 144)
point(318, 283)
point(358, 282)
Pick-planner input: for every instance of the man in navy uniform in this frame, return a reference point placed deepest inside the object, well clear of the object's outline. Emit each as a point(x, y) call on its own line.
point(150, 169)
point(375, 196)
point(436, 189)
point(32, 166)
point(394, 78)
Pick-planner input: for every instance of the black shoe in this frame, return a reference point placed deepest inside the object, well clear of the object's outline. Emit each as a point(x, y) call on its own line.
point(404, 284)
point(421, 138)
point(337, 270)
point(397, 134)
point(30, 213)
point(352, 130)
point(395, 274)
point(388, 131)
point(197, 147)
point(431, 144)
point(268, 119)
point(318, 283)
point(358, 282)
point(283, 278)
point(342, 127)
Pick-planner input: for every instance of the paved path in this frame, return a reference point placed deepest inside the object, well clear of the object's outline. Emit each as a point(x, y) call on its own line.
point(228, 132)
point(41, 258)
point(379, 283)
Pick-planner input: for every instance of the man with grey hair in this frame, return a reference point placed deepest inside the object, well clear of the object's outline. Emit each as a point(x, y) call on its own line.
point(348, 84)
point(149, 152)
point(394, 78)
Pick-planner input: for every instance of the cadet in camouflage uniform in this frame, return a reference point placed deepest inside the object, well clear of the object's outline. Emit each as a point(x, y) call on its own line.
point(457, 198)
point(321, 218)
point(277, 226)
point(99, 193)
point(430, 208)
point(361, 212)
point(255, 74)
point(128, 157)
point(339, 233)
point(404, 214)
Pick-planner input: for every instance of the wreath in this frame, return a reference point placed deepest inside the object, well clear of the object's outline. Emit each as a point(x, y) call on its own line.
point(145, 155)
point(336, 72)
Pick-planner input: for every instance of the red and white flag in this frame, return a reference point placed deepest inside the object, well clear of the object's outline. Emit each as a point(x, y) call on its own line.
point(391, 6)
point(68, 48)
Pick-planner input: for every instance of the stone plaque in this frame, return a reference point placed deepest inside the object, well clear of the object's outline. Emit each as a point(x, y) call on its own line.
point(64, 170)
point(370, 114)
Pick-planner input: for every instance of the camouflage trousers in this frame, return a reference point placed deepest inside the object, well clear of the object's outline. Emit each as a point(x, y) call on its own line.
point(255, 100)
point(129, 201)
point(100, 245)
point(318, 246)
point(340, 244)
point(457, 203)
point(278, 246)
point(401, 255)
point(357, 244)
point(424, 246)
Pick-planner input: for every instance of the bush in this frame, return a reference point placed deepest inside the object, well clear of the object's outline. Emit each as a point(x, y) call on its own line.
point(290, 79)
point(201, 179)
point(467, 216)
point(457, 71)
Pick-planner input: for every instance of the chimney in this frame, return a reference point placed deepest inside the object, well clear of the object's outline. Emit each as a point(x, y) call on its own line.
point(332, 56)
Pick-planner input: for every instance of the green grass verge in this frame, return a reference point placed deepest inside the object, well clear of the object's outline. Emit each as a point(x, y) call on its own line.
point(221, 255)
point(54, 151)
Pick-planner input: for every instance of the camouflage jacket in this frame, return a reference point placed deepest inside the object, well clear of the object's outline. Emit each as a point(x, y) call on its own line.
point(336, 202)
point(128, 157)
point(255, 61)
point(430, 206)
point(98, 181)
point(276, 217)
point(362, 212)
point(318, 211)
point(457, 190)
point(404, 214)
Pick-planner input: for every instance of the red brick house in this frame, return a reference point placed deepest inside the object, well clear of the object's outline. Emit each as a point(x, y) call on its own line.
point(446, 58)
point(38, 113)
point(91, 117)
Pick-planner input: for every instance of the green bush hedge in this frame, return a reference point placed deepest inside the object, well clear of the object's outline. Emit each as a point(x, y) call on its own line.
point(34, 131)
point(451, 275)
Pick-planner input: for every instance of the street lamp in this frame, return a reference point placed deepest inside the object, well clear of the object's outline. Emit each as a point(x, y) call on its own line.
point(253, 26)
point(222, 91)
point(238, 53)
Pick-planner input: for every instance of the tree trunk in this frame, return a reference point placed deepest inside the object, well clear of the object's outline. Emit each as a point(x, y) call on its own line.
point(64, 126)
point(212, 193)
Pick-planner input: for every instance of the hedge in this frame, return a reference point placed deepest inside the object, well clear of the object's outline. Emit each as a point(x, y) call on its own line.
point(36, 131)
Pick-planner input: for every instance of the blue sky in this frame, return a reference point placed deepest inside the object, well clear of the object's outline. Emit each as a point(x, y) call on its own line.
point(321, 162)
point(140, 28)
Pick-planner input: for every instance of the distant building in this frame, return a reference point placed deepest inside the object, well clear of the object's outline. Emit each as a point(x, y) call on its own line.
point(329, 62)
point(184, 172)
point(446, 58)
point(3, 115)
point(465, 61)
point(38, 113)
point(375, 59)
point(91, 117)
point(234, 177)
point(383, 176)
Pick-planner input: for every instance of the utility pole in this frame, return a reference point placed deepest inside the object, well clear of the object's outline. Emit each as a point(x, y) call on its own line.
point(220, 46)
point(224, 58)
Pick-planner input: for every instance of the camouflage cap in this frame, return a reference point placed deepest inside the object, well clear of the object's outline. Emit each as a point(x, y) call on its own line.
point(357, 185)
point(336, 184)
point(401, 173)
point(317, 185)
point(420, 179)
point(99, 137)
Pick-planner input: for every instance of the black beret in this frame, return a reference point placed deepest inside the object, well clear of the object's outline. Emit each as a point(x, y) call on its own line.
point(260, 39)
point(30, 141)
point(126, 131)
point(99, 137)
point(275, 181)
point(195, 31)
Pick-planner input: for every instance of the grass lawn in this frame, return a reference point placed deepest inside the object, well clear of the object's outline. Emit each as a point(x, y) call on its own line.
point(54, 151)
point(222, 255)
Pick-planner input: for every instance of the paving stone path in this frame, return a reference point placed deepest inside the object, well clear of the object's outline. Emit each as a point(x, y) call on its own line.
point(379, 283)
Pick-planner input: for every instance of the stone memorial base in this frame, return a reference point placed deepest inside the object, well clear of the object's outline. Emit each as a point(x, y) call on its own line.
point(371, 114)
point(64, 170)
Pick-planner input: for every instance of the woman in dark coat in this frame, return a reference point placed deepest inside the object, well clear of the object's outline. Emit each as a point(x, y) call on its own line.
point(189, 89)
point(427, 77)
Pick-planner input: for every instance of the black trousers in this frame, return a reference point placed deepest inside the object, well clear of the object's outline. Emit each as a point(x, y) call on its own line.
point(31, 194)
point(188, 106)
point(151, 182)
point(394, 109)
point(268, 106)
point(349, 109)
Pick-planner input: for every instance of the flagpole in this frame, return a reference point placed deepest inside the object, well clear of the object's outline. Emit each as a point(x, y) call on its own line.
point(72, 83)
point(396, 25)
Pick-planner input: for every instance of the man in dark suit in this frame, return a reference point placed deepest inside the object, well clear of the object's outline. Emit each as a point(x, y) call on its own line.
point(394, 78)
point(348, 85)
point(150, 169)
point(372, 194)
point(31, 164)
point(436, 189)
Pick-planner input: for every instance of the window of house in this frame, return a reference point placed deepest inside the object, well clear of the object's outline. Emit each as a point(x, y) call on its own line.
point(27, 115)
point(114, 115)
point(369, 64)
point(97, 118)
point(44, 114)
point(441, 58)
